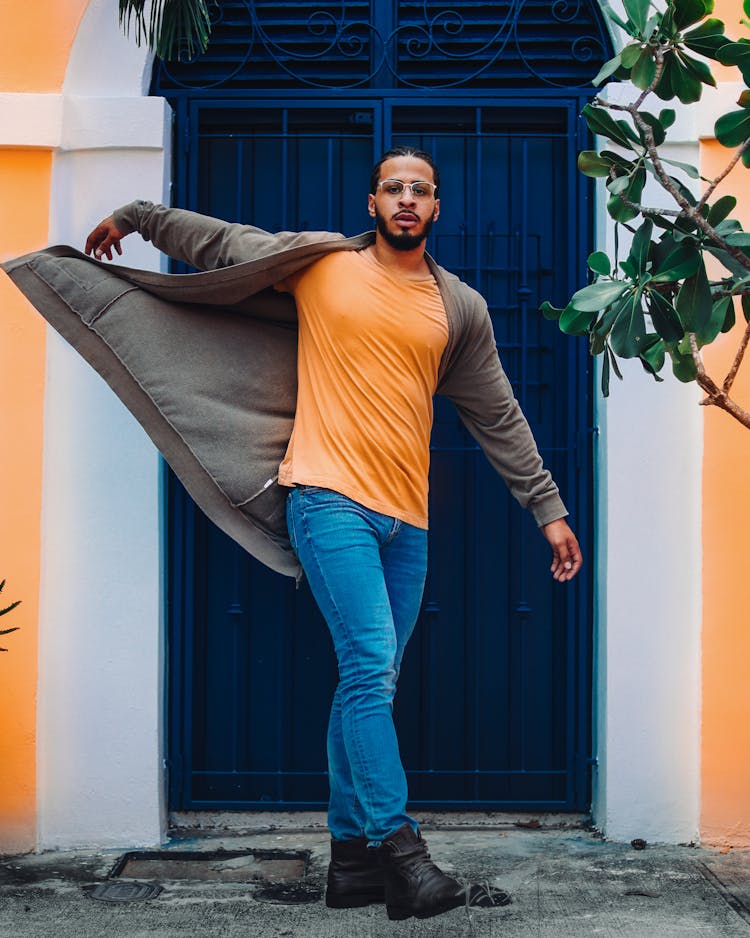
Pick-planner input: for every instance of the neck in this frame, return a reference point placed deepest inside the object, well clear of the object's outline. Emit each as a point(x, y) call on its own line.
point(408, 263)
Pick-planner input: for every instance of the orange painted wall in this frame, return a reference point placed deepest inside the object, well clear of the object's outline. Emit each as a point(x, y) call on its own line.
point(725, 782)
point(24, 211)
point(35, 42)
point(34, 51)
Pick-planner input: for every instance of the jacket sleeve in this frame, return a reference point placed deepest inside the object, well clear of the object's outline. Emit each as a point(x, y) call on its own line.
point(200, 240)
point(477, 384)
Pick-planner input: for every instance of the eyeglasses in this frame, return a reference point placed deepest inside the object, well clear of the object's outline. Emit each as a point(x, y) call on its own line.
point(419, 190)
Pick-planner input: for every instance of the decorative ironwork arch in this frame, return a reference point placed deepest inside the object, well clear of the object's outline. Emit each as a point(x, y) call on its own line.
point(339, 45)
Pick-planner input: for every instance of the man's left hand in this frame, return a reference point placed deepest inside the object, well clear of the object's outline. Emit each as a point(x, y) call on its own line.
point(566, 554)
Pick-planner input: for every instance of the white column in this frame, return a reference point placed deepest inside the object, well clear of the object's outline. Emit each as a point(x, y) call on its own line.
point(101, 667)
point(647, 683)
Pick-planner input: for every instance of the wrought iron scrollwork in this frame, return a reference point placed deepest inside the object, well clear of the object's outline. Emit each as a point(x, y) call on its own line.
point(338, 45)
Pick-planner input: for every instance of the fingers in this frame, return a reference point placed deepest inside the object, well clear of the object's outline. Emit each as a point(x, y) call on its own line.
point(566, 560)
point(103, 239)
point(566, 554)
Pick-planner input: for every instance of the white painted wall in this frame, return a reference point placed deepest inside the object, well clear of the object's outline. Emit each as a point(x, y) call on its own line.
point(648, 603)
point(101, 668)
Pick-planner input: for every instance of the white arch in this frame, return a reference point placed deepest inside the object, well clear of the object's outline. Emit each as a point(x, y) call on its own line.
point(101, 693)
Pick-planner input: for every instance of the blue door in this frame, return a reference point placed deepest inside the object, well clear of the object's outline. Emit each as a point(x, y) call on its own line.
point(493, 708)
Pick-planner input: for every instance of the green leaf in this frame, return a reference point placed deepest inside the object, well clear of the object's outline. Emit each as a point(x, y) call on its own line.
point(666, 89)
point(598, 296)
point(728, 323)
point(706, 39)
point(607, 70)
point(591, 164)
point(682, 262)
point(726, 259)
point(697, 69)
point(709, 27)
point(685, 167)
point(667, 117)
point(637, 11)
point(644, 70)
point(653, 357)
point(574, 321)
point(746, 307)
point(733, 128)
point(745, 159)
point(740, 239)
point(687, 12)
point(629, 330)
point(599, 263)
point(664, 317)
point(728, 226)
point(720, 209)
point(713, 327)
point(734, 53)
point(640, 247)
point(694, 303)
point(686, 86)
point(683, 366)
point(549, 311)
point(599, 122)
point(631, 53)
point(615, 205)
point(619, 184)
point(605, 374)
point(657, 128)
point(618, 160)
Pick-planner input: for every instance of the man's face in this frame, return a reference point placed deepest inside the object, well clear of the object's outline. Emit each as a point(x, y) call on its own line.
point(403, 220)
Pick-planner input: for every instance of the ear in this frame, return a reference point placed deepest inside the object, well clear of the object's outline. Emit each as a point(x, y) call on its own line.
point(436, 212)
point(371, 204)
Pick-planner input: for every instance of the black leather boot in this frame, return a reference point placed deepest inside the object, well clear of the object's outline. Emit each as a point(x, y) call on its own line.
point(355, 877)
point(414, 885)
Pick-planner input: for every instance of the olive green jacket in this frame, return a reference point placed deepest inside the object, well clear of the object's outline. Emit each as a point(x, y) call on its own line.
point(206, 362)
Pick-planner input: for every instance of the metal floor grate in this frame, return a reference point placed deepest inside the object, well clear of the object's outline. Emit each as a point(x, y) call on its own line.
point(225, 866)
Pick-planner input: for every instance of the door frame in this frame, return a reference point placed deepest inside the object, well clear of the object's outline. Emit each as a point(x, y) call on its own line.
point(579, 602)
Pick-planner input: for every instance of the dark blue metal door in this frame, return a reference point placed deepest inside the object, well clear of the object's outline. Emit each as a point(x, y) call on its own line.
point(493, 706)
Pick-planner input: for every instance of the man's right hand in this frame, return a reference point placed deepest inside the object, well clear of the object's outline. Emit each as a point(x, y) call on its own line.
point(103, 238)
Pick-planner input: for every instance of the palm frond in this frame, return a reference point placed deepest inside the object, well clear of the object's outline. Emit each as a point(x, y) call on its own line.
point(8, 609)
point(170, 28)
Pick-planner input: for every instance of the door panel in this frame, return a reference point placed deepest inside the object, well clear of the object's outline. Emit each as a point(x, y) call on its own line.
point(492, 708)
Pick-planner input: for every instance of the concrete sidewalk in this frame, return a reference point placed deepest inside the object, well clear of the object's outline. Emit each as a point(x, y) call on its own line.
point(562, 882)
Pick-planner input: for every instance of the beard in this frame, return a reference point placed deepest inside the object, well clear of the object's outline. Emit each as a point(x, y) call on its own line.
point(403, 240)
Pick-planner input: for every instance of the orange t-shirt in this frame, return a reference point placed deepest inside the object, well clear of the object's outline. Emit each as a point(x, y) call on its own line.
point(370, 344)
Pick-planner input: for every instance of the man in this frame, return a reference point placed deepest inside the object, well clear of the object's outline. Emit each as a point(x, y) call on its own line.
point(381, 329)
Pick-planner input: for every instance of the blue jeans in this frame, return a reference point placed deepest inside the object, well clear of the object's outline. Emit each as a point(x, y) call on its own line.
point(366, 572)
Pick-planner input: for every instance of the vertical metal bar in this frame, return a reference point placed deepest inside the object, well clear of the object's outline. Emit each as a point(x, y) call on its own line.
point(581, 602)
point(188, 626)
point(284, 169)
point(239, 184)
point(476, 547)
point(329, 170)
point(235, 623)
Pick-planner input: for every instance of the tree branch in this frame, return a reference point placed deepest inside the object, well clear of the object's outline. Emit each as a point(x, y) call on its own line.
point(715, 395)
point(729, 380)
point(690, 210)
point(722, 175)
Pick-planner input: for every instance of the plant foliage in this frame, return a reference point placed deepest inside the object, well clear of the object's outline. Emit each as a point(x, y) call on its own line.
point(173, 29)
point(658, 303)
point(6, 610)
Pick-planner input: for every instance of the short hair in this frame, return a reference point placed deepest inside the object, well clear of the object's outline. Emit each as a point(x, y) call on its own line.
point(403, 151)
